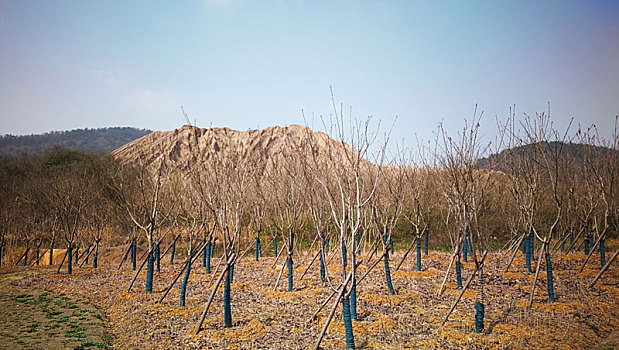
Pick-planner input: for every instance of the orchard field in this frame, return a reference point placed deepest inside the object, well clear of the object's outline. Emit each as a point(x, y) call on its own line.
point(290, 238)
point(270, 318)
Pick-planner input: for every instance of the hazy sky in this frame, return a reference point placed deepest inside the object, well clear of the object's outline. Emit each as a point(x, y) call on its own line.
point(251, 64)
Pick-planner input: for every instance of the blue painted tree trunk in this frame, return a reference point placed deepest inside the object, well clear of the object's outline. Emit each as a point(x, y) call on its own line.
point(549, 282)
point(172, 252)
point(184, 284)
point(353, 300)
point(344, 255)
point(465, 250)
point(459, 273)
point(571, 241)
point(528, 254)
point(532, 247)
point(563, 246)
point(427, 233)
point(227, 306)
point(419, 255)
point(327, 245)
point(275, 247)
point(525, 244)
point(587, 245)
point(391, 243)
point(290, 280)
point(207, 249)
point(350, 339)
point(602, 253)
point(205, 252)
point(322, 267)
point(94, 261)
point(388, 274)
point(292, 240)
point(257, 248)
point(212, 249)
point(134, 251)
point(158, 257)
point(51, 256)
point(232, 273)
point(69, 262)
point(479, 317)
point(149, 272)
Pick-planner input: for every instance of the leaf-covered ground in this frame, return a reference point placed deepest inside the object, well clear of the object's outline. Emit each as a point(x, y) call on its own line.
point(268, 318)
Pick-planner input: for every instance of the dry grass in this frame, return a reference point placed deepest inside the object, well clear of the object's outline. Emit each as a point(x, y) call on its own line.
point(264, 317)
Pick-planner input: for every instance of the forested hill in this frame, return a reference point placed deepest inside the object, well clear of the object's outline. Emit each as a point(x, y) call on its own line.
point(102, 140)
point(576, 151)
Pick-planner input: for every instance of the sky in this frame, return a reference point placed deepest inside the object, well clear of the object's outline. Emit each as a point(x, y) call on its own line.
point(252, 64)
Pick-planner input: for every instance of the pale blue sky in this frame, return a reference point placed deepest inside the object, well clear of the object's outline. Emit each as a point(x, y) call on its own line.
point(248, 64)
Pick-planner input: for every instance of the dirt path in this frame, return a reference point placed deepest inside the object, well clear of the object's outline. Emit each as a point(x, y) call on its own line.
point(33, 318)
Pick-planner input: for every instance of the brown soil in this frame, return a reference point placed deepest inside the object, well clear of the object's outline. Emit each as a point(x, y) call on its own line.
point(268, 318)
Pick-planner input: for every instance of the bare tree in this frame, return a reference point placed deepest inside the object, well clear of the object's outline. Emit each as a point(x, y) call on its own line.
point(464, 188)
point(349, 185)
point(601, 166)
point(223, 188)
point(140, 192)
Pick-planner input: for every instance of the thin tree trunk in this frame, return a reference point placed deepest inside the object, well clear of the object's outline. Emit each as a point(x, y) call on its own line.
point(222, 259)
point(308, 251)
point(170, 246)
point(193, 259)
point(22, 256)
point(210, 299)
point(51, 253)
point(511, 259)
point(451, 262)
point(604, 269)
point(334, 292)
point(337, 300)
point(559, 242)
point(137, 273)
point(278, 255)
point(89, 251)
point(582, 267)
point(125, 256)
point(280, 274)
point(62, 262)
point(39, 256)
point(539, 264)
point(574, 242)
point(466, 285)
point(410, 247)
point(310, 265)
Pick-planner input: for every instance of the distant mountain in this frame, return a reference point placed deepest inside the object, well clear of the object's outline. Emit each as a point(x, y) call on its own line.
point(576, 151)
point(102, 140)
